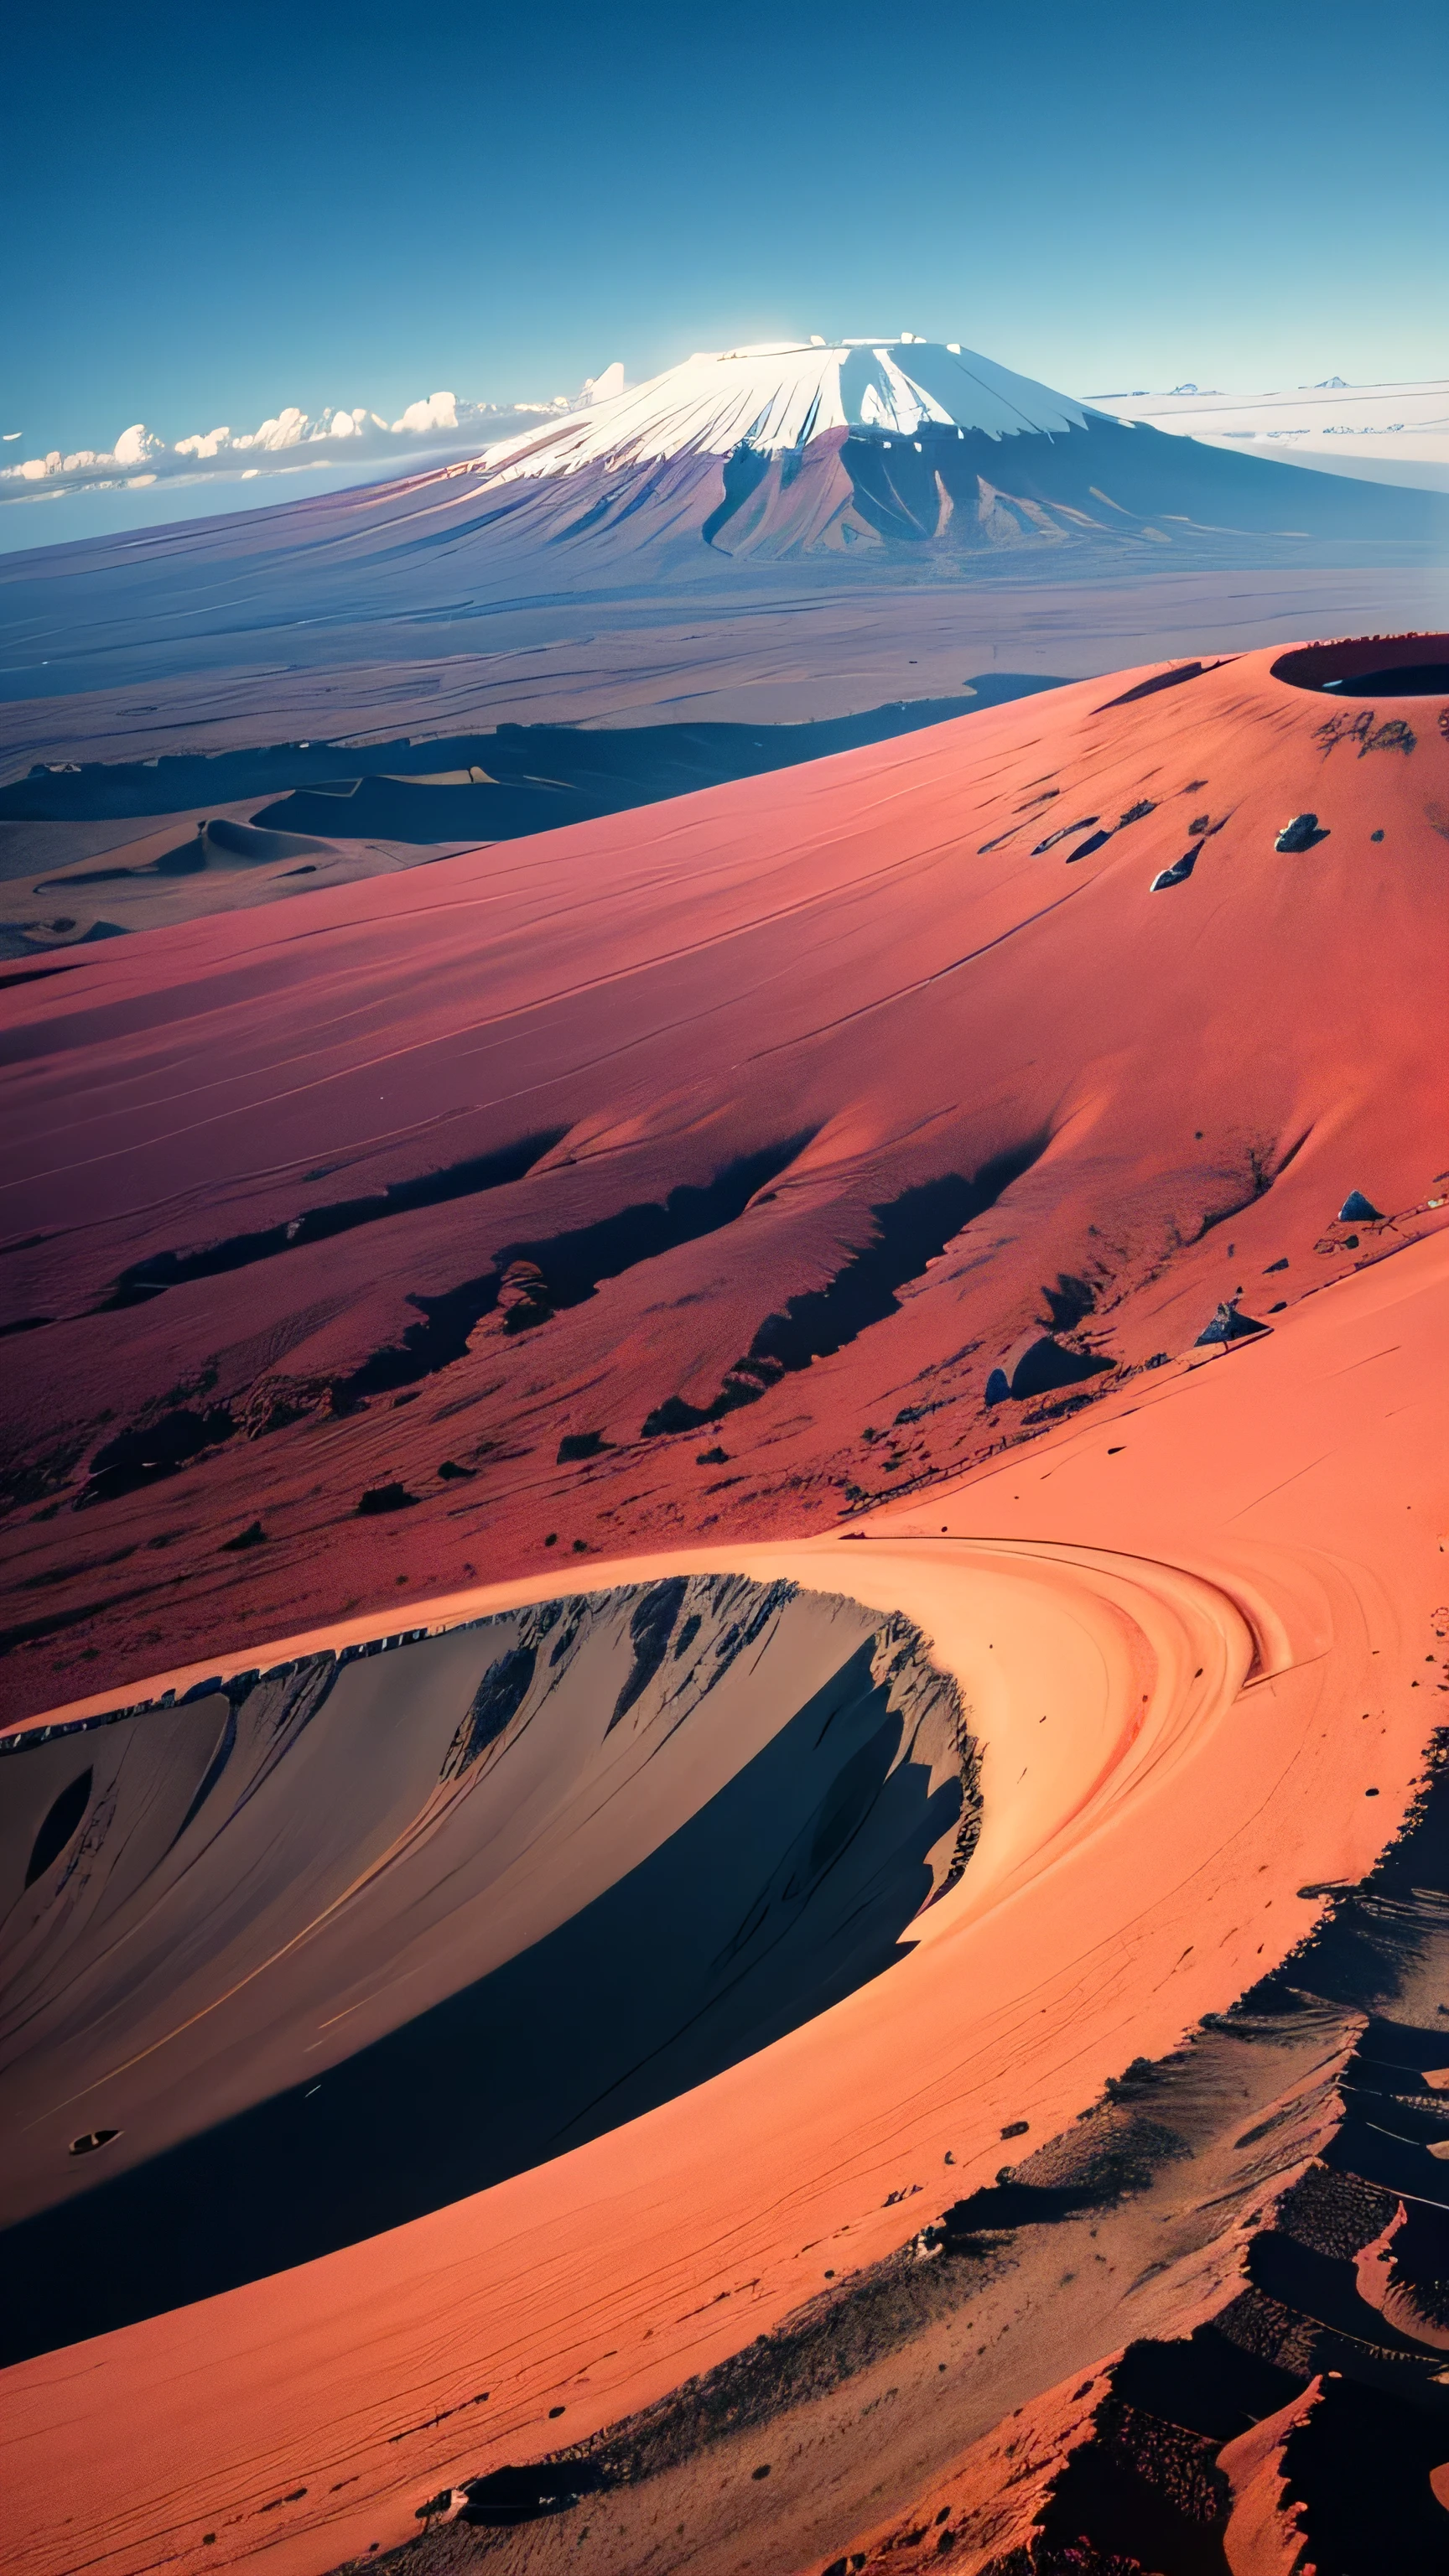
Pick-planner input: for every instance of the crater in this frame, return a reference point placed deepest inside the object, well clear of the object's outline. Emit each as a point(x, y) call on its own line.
point(1370, 666)
point(449, 1905)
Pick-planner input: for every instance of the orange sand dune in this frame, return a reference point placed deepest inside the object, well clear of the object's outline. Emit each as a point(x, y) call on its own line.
point(1213, 1594)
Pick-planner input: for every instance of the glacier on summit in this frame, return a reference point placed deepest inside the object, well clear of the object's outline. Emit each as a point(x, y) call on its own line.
point(783, 393)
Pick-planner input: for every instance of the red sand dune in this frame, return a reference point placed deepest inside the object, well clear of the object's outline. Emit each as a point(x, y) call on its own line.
point(1215, 1584)
point(934, 967)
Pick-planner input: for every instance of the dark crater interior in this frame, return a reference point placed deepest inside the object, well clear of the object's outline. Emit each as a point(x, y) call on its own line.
point(1370, 666)
point(367, 1906)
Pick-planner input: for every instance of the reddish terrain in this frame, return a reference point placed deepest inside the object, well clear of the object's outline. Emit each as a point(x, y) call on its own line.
point(822, 1181)
point(817, 1090)
point(1216, 1593)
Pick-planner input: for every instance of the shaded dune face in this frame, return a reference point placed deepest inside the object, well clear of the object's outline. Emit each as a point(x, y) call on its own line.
point(347, 1940)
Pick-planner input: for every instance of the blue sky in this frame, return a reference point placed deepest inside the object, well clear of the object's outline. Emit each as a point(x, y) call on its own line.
point(214, 212)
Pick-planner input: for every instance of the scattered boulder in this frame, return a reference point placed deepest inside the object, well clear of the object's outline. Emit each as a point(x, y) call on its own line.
point(1358, 1210)
point(511, 2495)
point(1300, 834)
point(384, 1498)
point(1179, 872)
point(252, 1536)
point(674, 1414)
point(581, 1444)
point(1038, 1364)
point(1229, 1326)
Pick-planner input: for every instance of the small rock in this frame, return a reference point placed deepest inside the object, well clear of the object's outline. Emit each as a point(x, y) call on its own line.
point(1037, 1365)
point(580, 1444)
point(1229, 1326)
point(384, 1498)
point(252, 1536)
point(1178, 873)
point(1300, 834)
point(1357, 1210)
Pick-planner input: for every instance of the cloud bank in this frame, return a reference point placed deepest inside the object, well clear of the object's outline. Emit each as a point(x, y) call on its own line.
point(291, 441)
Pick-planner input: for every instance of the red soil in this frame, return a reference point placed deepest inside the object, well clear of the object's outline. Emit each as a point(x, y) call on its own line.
point(859, 970)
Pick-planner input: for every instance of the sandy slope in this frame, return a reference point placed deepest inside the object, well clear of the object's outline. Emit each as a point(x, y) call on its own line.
point(1215, 1594)
point(818, 1088)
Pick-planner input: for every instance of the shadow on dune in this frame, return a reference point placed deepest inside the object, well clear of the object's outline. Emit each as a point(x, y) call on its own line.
point(484, 786)
point(783, 1893)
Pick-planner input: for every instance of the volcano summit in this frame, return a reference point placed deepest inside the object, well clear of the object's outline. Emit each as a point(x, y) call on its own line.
point(801, 447)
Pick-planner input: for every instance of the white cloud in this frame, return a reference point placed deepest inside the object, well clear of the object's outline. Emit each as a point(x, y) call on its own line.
point(290, 441)
point(135, 445)
point(440, 411)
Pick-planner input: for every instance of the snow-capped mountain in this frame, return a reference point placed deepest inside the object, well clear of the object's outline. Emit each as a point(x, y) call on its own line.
point(808, 447)
point(782, 394)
